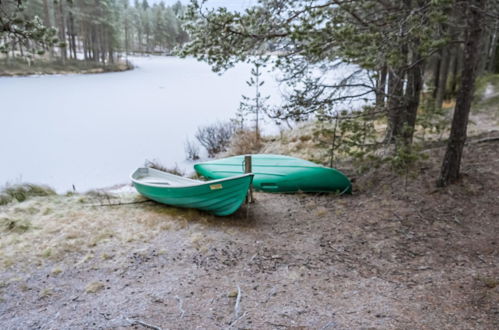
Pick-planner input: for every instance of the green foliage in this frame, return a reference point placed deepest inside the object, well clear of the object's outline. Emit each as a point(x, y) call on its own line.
point(405, 158)
point(17, 26)
point(312, 39)
point(349, 135)
point(253, 106)
point(432, 120)
point(101, 27)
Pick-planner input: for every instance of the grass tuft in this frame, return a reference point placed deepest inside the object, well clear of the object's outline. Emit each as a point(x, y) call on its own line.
point(22, 192)
point(94, 287)
point(489, 282)
point(47, 292)
point(56, 271)
point(14, 225)
point(175, 170)
point(47, 253)
point(245, 142)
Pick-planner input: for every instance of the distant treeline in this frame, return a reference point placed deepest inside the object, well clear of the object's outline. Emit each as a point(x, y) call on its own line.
point(98, 30)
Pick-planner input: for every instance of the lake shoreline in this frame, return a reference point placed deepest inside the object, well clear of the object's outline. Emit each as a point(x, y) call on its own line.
point(98, 128)
point(20, 69)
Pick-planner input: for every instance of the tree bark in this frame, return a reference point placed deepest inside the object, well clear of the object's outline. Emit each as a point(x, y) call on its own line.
point(442, 80)
point(72, 32)
point(395, 105)
point(413, 92)
point(436, 75)
point(59, 14)
point(491, 61)
point(381, 87)
point(475, 11)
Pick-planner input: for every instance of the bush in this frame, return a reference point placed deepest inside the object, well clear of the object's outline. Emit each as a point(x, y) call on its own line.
point(215, 138)
point(245, 142)
point(191, 150)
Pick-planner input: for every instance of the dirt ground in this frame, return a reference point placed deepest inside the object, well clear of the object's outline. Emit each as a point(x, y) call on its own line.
point(397, 254)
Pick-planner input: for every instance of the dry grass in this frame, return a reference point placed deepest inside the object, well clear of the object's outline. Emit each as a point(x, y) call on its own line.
point(94, 287)
point(175, 170)
point(10, 225)
point(22, 192)
point(56, 271)
point(47, 292)
point(20, 67)
point(74, 225)
point(387, 256)
point(245, 142)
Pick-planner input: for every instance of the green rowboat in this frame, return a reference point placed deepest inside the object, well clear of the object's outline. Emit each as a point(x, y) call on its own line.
point(220, 197)
point(277, 173)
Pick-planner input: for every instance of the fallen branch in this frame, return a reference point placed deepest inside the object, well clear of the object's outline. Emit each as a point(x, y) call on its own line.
point(490, 139)
point(182, 312)
point(235, 321)
point(238, 300)
point(144, 324)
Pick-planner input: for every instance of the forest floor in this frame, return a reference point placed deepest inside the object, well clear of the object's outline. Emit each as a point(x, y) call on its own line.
point(396, 254)
point(41, 67)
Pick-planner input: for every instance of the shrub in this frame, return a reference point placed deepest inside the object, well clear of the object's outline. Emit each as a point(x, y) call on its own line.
point(191, 150)
point(215, 138)
point(245, 142)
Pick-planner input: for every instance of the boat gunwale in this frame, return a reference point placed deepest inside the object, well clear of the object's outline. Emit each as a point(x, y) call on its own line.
point(198, 182)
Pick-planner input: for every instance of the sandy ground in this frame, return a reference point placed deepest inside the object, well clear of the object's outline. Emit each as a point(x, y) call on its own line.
point(397, 254)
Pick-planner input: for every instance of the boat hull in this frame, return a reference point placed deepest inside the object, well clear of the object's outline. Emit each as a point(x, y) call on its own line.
point(220, 197)
point(276, 173)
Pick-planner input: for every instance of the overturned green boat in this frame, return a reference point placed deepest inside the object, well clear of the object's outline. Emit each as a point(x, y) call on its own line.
point(277, 173)
point(220, 197)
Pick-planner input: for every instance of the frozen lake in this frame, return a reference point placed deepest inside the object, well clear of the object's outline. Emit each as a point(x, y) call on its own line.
point(92, 131)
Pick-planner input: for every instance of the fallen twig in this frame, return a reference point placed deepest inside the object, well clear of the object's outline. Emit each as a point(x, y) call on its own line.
point(237, 319)
point(144, 324)
point(489, 139)
point(238, 300)
point(182, 312)
point(328, 325)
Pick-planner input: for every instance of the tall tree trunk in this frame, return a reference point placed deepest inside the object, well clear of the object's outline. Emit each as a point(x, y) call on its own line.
point(59, 17)
point(46, 21)
point(436, 75)
point(396, 99)
point(126, 33)
point(413, 93)
point(395, 104)
point(95, 48)
point(442, 81)
point(491, 61)
point(474, 10)
point(72, 33)
point(452, 63)
point(381, 87)
point(484, 51)
point(458, 65)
